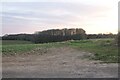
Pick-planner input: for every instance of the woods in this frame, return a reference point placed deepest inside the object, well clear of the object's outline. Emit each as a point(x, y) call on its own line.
point(54, 35)
point(57, 35)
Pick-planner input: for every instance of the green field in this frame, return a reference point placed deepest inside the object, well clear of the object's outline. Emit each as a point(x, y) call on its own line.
point(19, 47)
point(103, 49)
point(15, 42)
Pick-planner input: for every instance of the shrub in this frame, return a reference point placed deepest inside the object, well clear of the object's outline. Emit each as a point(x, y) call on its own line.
point(117, 39)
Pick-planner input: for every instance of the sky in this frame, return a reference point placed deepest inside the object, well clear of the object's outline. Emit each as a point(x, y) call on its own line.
point(29, 16)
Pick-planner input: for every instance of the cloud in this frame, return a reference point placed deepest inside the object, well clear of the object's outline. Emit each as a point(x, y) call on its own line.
point(53, 11)
point(52, 14)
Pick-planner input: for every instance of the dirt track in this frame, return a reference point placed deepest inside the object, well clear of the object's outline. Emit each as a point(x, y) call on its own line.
point(57, 63)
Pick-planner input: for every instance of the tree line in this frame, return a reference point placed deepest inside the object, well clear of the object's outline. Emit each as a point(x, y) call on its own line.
point(38, 38)
point(56, 36)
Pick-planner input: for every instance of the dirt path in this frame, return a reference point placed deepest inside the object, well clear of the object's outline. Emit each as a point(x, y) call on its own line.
point(56, 63)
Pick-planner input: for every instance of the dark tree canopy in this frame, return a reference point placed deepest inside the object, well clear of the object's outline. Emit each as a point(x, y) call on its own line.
point(56, 35)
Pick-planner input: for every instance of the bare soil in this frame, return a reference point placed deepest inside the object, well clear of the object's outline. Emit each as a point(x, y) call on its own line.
point(64, 62)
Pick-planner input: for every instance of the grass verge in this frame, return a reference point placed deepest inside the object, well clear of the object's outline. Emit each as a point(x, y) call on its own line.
point(103, 49)
point(23, 48)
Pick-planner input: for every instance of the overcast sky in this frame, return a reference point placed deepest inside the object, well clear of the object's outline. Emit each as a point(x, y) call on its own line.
point(94, 16)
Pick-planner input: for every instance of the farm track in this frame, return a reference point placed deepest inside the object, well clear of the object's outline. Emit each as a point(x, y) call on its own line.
point(64, 62)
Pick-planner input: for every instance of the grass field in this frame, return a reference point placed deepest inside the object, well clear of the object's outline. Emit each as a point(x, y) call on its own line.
point(103, 49)
point(15, 42)
point(19, 47)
